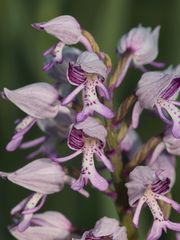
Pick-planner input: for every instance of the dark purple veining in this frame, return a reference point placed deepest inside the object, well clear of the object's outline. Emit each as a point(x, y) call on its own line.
point(161, 186)
point(171, 89)
point(75, 139)
point(76, 74)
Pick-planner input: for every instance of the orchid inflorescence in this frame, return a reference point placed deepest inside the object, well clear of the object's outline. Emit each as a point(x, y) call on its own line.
point(138, 173)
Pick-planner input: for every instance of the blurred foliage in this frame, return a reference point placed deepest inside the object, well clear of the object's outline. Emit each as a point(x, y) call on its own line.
point(20, 64)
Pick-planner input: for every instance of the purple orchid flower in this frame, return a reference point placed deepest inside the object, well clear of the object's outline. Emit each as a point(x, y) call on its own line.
point(50, 225)
point(169, 143)
point(139, 46)
point(42, 176)
point(68, 31)
point(88, 137)
point(38, 101)
point(88, 73)
point(149, 186)
point(158, 91)
point(105, 228)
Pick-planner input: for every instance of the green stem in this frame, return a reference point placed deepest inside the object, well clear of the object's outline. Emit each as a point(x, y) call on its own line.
point(121, 203)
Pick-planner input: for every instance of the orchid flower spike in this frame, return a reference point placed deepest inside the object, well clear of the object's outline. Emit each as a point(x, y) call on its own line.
point(88, 73)
point(149, 186)
point(140, 47)
point(38, 101)
point(105, 228)
point(169, 143)
point(50, 225)
point(88, 137)
point(66, 29)
point(158, 91)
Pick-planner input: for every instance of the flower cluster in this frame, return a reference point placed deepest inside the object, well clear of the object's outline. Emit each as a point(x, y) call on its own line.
point(94, 130)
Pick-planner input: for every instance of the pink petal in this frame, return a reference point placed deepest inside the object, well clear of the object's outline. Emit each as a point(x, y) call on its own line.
point(33, 143)
point(104, 90)
point(156, 230)
point(173, 226)
point(103, 110)
point(156, 153)
point(105, 160)
point(69, 157)
point(90, 63)
point(73, 94)
point(98, 181)
point(171, 202)
point(42, 175)
point(65, 28)
point(137, 110)
point(38, 100)
point(138, 211)
point(21, 129)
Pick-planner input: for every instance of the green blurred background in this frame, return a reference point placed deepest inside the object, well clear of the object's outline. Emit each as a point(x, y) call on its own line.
point(21, 62)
